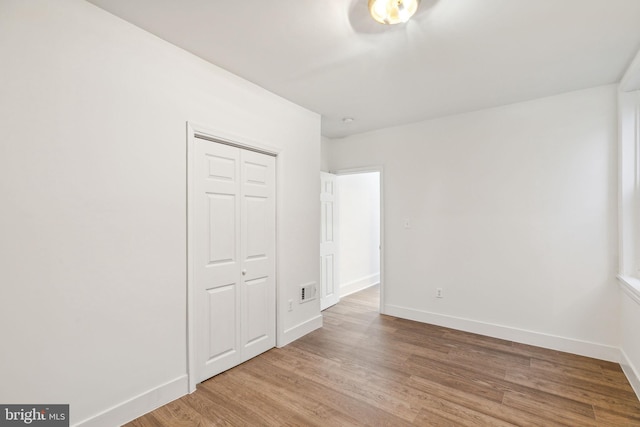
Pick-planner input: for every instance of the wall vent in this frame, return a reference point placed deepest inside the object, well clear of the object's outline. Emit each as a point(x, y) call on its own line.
point(307, 292)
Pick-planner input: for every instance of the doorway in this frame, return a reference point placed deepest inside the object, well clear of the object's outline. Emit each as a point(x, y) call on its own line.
point(358, 237)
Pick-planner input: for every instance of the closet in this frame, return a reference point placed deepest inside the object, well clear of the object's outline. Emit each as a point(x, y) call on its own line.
point(233, 259)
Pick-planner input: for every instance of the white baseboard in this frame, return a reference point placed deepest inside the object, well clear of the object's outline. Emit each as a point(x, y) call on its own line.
point(300, 330)
point(359, 284)
point(139, 405)
point(631, 372)
point(553, 342)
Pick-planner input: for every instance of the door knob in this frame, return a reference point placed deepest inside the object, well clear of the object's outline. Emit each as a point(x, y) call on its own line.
point(244, 272)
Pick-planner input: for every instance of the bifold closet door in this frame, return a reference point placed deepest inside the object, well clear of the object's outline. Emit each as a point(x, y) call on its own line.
point(234, 245)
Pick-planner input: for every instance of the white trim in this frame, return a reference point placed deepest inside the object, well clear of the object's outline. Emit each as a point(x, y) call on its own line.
point(630, 286)
point(139, 405)
point(300, 330)
point(364, 169)
point(631, 372)
point(554, 342)
point(191, 354)
point(380, 170)
point(231, 138)
point(193, 130)
point(359, 284)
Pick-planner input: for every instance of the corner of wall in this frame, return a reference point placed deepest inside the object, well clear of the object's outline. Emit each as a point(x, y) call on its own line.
point(359, 284)
point(631, 372)
point(298, 331)
point(553, 342)
point(139, 405)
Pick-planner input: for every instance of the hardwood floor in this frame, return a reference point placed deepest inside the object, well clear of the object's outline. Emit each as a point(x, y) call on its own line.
point(363, 368)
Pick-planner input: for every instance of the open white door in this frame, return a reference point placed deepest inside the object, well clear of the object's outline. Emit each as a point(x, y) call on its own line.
point(329, 292)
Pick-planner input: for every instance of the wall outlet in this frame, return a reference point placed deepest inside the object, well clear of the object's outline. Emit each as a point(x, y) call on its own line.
point(439, 293)
point(290, 305)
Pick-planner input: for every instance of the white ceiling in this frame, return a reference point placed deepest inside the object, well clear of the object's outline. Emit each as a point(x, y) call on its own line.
point(454, 56)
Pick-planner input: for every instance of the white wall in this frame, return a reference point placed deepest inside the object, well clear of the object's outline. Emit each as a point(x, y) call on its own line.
point(513, 214)
point(324, 154)
point(359, 237)
point(93, 116)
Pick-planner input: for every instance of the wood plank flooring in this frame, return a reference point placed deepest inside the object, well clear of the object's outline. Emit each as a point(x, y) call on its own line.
point(363, 368)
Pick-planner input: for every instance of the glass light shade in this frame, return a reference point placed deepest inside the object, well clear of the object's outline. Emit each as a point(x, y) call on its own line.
point(392, 11)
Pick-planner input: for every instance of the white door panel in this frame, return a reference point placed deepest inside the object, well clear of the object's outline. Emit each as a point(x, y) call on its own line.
point(222, 339)
point(221, 213)
point(329, 294)
point(234, 255)
point(258, 253)
point(258, 332)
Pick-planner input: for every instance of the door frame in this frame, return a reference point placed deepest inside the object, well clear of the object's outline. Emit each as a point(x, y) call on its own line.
point(198, 131)
point(367, 169)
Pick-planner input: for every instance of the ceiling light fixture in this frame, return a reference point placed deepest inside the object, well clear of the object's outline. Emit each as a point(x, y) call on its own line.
point(392, 11)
